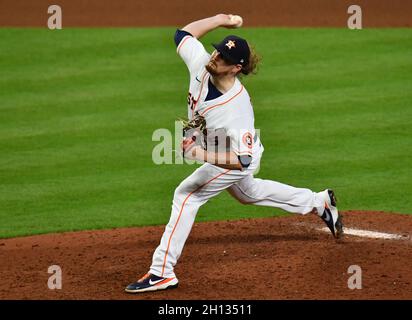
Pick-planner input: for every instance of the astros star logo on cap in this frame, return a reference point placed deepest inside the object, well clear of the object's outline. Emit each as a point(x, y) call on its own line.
point(230, 44)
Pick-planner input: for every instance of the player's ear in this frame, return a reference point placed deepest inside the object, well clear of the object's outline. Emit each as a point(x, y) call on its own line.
point(237, 68)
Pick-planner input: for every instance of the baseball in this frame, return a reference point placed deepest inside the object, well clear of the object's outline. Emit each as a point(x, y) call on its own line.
point(236, 19)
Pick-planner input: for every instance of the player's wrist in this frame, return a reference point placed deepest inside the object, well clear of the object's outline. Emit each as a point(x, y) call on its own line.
point(221, 19)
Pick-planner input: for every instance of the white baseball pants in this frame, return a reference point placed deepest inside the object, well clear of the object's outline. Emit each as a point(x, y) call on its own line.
point(208, 181)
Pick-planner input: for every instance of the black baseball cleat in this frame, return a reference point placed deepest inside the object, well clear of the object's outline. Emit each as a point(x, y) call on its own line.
point(150, 282)
point(331, 216)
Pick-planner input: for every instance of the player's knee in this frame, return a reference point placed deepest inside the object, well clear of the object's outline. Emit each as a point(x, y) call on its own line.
point(251, 191)
point(179, 192)
point(239, 197)
point(184, 189)
point(242, 200)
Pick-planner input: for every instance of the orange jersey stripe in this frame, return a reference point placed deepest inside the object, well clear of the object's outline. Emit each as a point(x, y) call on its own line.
point(241, 152)
point(182, 42)
point(222, 103)
point(180, 213)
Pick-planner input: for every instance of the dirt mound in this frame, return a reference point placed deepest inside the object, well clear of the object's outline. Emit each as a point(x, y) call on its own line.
point(297, 13)
point(271, 258)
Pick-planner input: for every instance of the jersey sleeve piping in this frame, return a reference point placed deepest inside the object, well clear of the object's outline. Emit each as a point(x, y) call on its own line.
point(182, 42)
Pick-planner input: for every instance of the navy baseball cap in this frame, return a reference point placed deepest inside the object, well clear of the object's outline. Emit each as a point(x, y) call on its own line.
point(234, 49)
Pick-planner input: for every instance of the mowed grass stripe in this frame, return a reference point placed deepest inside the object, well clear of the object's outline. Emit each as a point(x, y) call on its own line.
point(78, 108)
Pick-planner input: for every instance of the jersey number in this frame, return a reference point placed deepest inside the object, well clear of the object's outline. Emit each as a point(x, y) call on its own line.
point(191, 101)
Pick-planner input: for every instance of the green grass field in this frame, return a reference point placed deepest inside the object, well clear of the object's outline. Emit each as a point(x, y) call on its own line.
point(78, 108)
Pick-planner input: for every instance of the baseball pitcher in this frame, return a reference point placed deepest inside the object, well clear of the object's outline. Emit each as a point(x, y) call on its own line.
point(217, 102)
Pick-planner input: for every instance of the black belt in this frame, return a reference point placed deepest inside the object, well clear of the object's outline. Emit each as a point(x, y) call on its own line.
point(255, 138)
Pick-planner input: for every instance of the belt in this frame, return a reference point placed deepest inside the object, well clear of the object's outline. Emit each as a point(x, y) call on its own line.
point(214, 143)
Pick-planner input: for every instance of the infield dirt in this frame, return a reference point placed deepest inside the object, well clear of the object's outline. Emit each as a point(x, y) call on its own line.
point(270, 258)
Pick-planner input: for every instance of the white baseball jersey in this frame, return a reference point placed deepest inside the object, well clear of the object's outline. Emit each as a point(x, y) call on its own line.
point(231, 111)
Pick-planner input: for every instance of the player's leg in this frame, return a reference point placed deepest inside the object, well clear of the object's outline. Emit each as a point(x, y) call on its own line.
point(206, 182)
point(261, 192)
point(251, 190)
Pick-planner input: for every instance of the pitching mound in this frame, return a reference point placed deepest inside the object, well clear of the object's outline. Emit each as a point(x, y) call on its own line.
point(273, 258)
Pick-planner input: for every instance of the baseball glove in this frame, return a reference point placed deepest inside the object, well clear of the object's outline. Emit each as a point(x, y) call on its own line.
point(195, 132)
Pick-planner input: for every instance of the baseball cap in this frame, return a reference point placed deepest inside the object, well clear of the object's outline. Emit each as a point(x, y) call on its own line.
point(234, 49)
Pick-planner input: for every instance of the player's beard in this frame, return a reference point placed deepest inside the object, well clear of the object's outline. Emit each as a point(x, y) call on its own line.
point(211, 67)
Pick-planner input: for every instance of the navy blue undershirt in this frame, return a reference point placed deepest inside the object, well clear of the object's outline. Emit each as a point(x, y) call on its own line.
point(213, 92)
point(180, 34)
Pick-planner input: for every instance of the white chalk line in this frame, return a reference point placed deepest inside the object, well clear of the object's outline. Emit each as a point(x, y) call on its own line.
point(368, 234)
point(362, 233)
